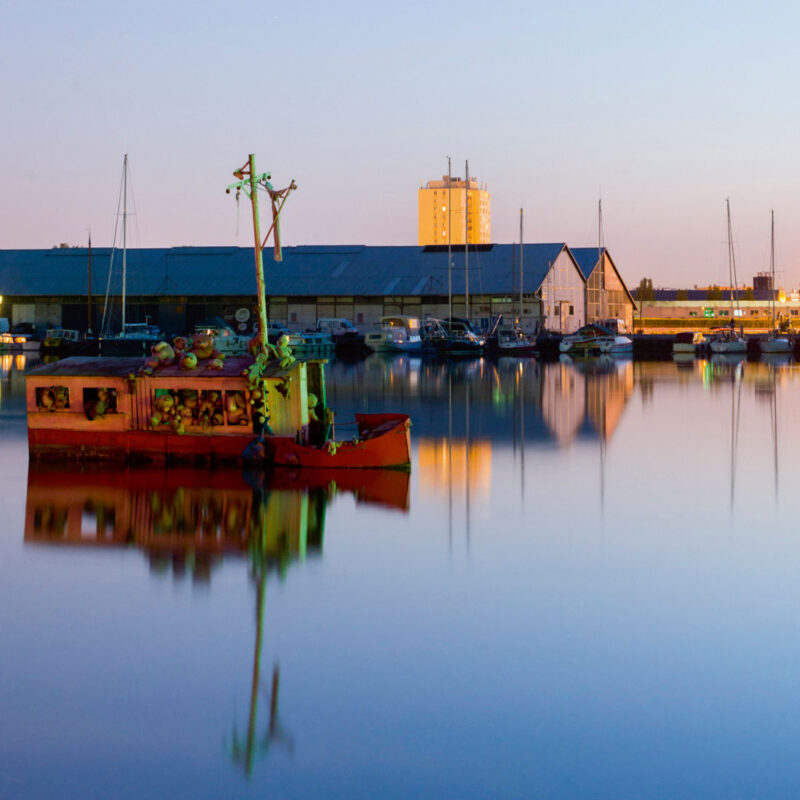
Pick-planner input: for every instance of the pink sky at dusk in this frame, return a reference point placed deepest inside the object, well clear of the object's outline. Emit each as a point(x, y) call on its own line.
point(662, 111)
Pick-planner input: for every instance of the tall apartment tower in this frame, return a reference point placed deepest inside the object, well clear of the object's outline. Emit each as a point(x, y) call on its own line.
point(434, 217)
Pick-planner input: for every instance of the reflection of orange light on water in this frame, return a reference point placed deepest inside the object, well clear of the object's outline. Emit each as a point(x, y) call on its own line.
point(442, 464)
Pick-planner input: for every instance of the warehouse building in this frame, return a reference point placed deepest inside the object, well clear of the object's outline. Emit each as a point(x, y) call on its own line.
point(177, 287)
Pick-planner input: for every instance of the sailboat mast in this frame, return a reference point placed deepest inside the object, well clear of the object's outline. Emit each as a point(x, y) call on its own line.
point(449, 239)
point(124, 236)
point(772, 263)
point(601, 310)
point(520, 266)
point(89, 289)
point(466, 245)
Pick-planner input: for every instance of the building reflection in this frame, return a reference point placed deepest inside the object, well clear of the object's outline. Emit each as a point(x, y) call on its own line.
point(517, 400)
point(190, 519)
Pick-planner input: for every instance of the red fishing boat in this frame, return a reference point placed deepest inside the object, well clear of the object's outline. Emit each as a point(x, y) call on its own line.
point(189, 403)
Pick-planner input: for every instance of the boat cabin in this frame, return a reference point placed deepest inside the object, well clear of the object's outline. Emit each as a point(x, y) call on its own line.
point(104, 408)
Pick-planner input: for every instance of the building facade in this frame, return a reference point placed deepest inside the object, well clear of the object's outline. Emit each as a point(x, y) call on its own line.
point(607, 296)
point(434, 219)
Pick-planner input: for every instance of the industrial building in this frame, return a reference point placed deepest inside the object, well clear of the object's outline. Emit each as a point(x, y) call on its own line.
point(444, 203)
point(177, 287)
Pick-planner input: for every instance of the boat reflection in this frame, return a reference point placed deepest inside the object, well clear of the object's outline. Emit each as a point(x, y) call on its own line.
point(191, 519)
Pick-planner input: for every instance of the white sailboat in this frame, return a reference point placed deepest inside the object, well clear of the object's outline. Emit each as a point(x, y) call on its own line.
point(774, 343)
point(727, 341)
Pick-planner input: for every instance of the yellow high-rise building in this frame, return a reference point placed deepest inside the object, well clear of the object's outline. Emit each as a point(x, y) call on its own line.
point(434, 216)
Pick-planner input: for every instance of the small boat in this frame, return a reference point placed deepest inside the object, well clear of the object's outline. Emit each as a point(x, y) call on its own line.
point(727, 341)
point(311, 343)
point(511, 341)
point(136, 339)
point(595, 340)
point(67, 342)
point(434, 335)
point(689, 342)
point(21, 338)
point(775, 342)
point(226, 340)
point(397, 334)
point(347, 339)
point(462, 339)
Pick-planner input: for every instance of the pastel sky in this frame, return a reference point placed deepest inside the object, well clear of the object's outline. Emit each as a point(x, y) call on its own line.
point(662, 109)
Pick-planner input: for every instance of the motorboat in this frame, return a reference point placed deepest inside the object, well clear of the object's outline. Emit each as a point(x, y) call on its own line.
point(594, 340)
point(310, 343)
point(689, 342)
point(226, 340)
point(21, 338)
point(397, 333)
point(511, 341)
point(347, 339)
point(462, 340)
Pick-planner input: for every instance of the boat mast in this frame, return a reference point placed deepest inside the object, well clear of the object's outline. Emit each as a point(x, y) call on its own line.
point(124, 235)
point(89, 291)
point(772, 263)
point(520, 267)
point(449, 240)
point(730, 257)
point(600, 310)
point(466, 246)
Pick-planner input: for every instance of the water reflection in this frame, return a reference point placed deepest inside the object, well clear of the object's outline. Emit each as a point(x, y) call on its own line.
point(188, 519)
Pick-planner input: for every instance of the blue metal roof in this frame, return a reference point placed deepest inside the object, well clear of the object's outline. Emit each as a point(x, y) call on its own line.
point(588, 258)
point(305, 271)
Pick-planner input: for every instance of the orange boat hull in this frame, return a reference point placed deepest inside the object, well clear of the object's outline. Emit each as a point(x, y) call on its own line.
point(383, 441)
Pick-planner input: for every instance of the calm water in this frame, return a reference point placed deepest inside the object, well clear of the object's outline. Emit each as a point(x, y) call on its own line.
point(589, 586)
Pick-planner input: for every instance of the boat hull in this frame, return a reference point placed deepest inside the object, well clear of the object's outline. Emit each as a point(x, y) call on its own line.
point(383, 442)
point(778, 345)
point(734, 346)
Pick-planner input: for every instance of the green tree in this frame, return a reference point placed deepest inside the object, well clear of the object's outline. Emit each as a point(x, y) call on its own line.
point(644, 291)
point(748, 294)
point(714, 293)
point(682, 294)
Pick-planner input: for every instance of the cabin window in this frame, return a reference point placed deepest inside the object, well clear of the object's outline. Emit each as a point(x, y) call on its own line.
point(52, 398)
point(237, 408)
point(99, 401)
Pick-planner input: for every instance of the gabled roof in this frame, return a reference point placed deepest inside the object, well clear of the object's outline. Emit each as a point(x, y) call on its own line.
point(589, 257)
point(308, 270)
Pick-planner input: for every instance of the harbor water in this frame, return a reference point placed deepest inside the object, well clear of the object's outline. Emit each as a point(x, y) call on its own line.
point(587, 586)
